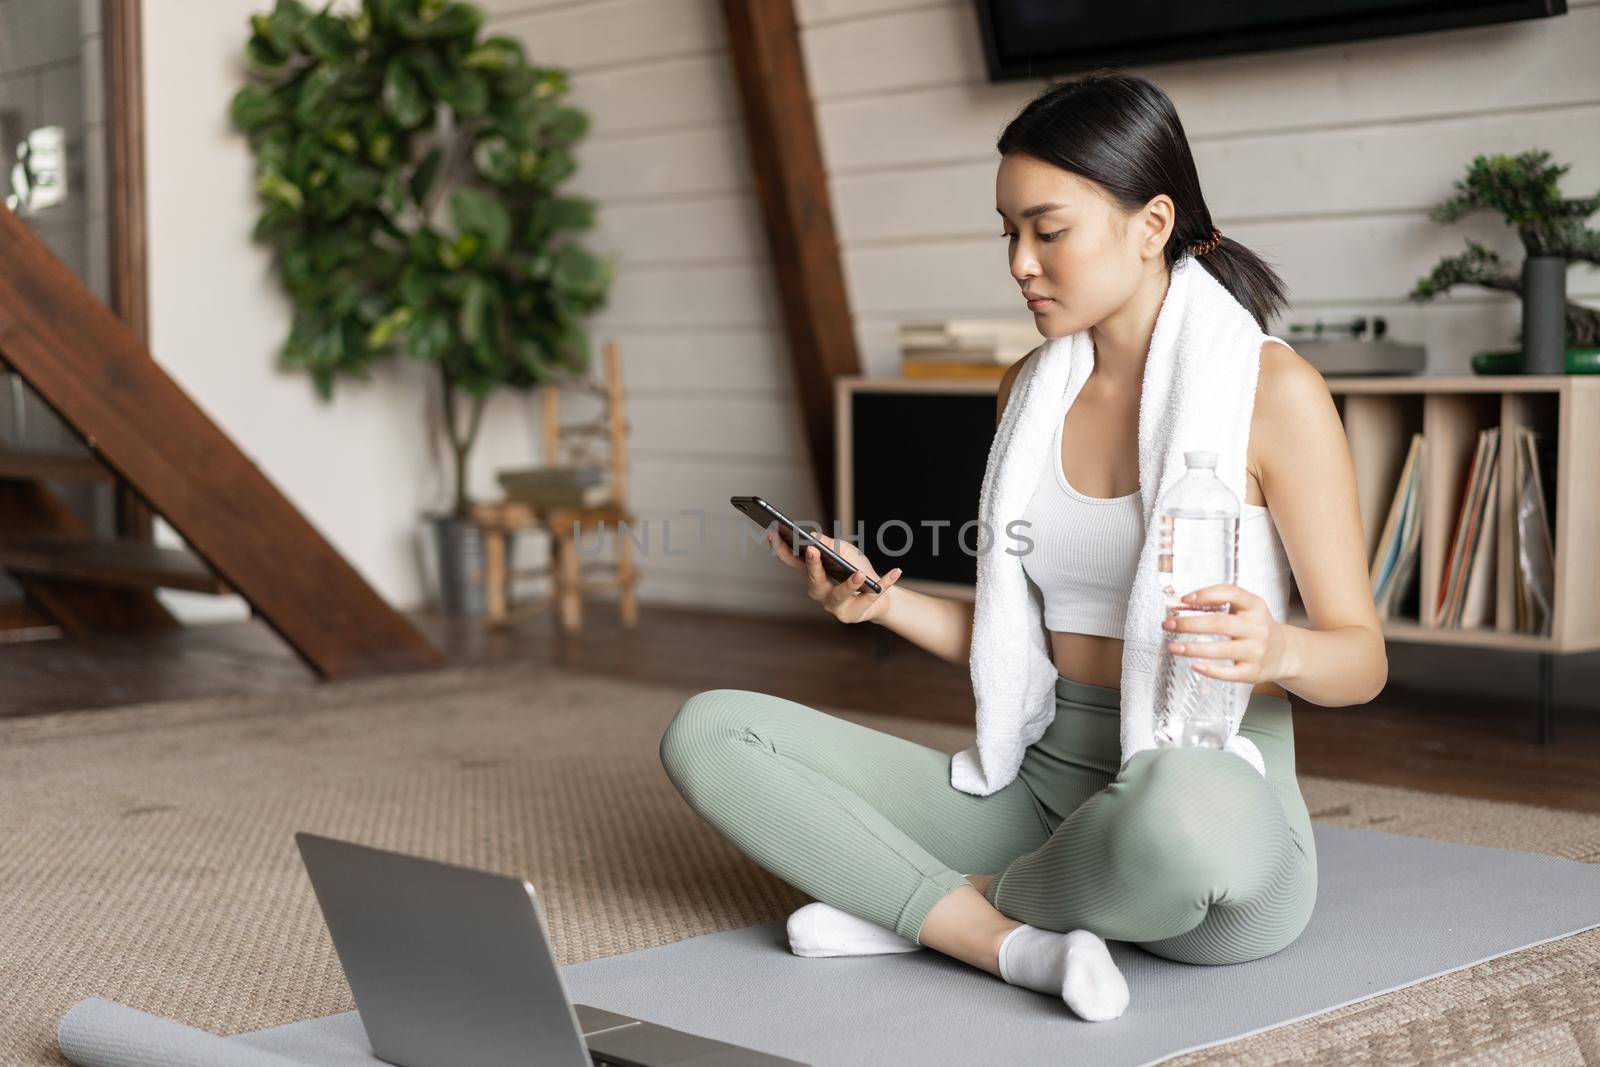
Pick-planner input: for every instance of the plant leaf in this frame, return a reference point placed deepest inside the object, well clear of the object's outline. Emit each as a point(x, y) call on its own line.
point(422, 177)
point(495, 55)
point(576, 270)
point(495, 159)
point(274, 186)
point(254, 107)
point(567, 125)
point(566, 213)
point(326, 36)
point(389, 327)
point(468, 93)
point(477, 212)
point(474, 315)
point(403, 97)
point(315, 91)
point(435, 21)
point(558, 167)
point(417, 286)
point(429, 336)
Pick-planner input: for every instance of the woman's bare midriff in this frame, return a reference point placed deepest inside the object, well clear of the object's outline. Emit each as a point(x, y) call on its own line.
point(1097, 660)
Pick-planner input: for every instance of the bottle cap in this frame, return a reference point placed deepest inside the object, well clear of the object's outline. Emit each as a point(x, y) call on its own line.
point(1203, 460)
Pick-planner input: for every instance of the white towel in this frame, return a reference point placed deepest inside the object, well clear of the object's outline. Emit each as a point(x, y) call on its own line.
point(1197, 394)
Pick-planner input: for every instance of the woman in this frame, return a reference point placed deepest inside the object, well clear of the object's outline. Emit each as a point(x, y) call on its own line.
point(1190, 853)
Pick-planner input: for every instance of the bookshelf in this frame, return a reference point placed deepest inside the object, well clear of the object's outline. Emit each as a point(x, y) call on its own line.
point(1380, 414)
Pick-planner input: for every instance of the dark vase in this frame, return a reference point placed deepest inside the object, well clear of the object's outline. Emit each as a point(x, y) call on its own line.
point(1544, 315)
point(460, 556)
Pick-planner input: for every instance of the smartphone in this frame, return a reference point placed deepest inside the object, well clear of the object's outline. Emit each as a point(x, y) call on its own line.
point(764, 515)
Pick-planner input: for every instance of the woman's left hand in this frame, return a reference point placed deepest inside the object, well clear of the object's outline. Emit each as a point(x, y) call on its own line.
point(1255, 639)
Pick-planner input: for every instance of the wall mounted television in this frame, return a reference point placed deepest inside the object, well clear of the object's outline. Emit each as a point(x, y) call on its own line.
point(1030, 39)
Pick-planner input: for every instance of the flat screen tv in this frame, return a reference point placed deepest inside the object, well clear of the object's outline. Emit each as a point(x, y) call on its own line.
point(1038, 38)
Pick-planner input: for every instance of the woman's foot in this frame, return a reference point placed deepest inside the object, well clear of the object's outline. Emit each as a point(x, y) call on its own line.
point(820, 929)
point(1076, 966)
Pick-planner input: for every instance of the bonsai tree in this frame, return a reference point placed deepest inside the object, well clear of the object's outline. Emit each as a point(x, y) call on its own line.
point(407, 173)
point(1523, 189)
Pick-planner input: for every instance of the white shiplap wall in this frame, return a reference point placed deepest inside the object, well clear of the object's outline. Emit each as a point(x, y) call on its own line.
point(1323, 159)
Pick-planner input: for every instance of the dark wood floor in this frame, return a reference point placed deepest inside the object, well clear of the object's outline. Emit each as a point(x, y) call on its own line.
point(1440, 744)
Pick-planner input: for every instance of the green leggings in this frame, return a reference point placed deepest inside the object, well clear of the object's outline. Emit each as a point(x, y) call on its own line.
point(1188, 852)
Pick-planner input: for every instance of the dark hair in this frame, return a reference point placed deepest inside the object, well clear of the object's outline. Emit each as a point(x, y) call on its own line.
point(1121, 131)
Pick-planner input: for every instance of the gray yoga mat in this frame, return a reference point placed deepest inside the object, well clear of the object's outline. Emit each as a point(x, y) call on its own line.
point(1391, 911)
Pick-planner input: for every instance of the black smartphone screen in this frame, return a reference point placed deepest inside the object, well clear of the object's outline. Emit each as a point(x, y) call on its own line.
point(764, 514)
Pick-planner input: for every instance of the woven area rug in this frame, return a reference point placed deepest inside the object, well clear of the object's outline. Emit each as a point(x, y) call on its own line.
point(146, 857)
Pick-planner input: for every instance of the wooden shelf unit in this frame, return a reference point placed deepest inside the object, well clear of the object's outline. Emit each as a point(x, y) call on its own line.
point(1381, 413)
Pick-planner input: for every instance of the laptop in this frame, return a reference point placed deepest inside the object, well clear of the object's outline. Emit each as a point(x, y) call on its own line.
point(452, 967)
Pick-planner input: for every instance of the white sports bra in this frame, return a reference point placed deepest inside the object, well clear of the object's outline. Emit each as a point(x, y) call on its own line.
point(1086, 549)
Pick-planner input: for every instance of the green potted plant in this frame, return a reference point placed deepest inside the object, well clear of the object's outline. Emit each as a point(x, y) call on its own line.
point(1524, 190)
point(408, 175)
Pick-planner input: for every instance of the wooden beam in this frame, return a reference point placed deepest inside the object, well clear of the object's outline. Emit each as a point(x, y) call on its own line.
point(93, 371)
point(780, 127)
point(130, 295)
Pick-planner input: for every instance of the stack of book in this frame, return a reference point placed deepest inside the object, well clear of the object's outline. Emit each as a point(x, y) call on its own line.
point(1394, 563)
point(556, 487)
point(964, 348)
point(1466, 587)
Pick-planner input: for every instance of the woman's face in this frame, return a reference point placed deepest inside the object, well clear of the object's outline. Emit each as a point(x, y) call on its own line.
point(1085, 253)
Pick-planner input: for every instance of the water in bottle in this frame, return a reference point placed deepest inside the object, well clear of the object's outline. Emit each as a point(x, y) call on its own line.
point(1199, 530)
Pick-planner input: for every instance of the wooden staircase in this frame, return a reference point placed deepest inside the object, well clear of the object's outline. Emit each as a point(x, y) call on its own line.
point(145, 433)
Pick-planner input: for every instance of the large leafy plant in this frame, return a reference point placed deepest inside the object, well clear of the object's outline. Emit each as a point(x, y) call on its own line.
point(407, 172)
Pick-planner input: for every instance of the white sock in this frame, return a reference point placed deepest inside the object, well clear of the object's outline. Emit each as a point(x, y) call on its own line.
point(820, 929)
point(1075, 966)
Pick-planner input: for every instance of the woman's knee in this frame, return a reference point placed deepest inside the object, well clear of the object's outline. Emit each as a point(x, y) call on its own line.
point(698, 723)
point(715, 726)
point(1191, 817)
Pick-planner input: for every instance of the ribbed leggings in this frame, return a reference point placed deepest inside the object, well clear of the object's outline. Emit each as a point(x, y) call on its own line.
point(1187, 852)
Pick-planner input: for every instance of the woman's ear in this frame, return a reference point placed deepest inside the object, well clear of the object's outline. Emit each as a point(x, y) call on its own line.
point(1156, 220)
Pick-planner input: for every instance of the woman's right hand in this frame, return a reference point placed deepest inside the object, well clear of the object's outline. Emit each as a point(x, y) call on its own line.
point(849, 600)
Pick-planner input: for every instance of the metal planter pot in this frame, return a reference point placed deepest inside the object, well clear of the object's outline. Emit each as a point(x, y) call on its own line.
point(460, 557)
point(1544, 315)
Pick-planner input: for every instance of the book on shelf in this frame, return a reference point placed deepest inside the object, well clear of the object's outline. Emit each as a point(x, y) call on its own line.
point(1460, 539)
point(1394, 561)
point(1001, 342)
point(1469, 535)
point(1475, 605)
point(1384, 555)
point(1534, 573)
point(921, 368)
point(1404, 594)
point(1466, 537)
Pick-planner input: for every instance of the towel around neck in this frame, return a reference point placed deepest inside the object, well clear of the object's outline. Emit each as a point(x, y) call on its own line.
point(1197, 392)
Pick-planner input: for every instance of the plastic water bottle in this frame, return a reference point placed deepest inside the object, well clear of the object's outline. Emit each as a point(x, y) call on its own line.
point(1199, 529)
